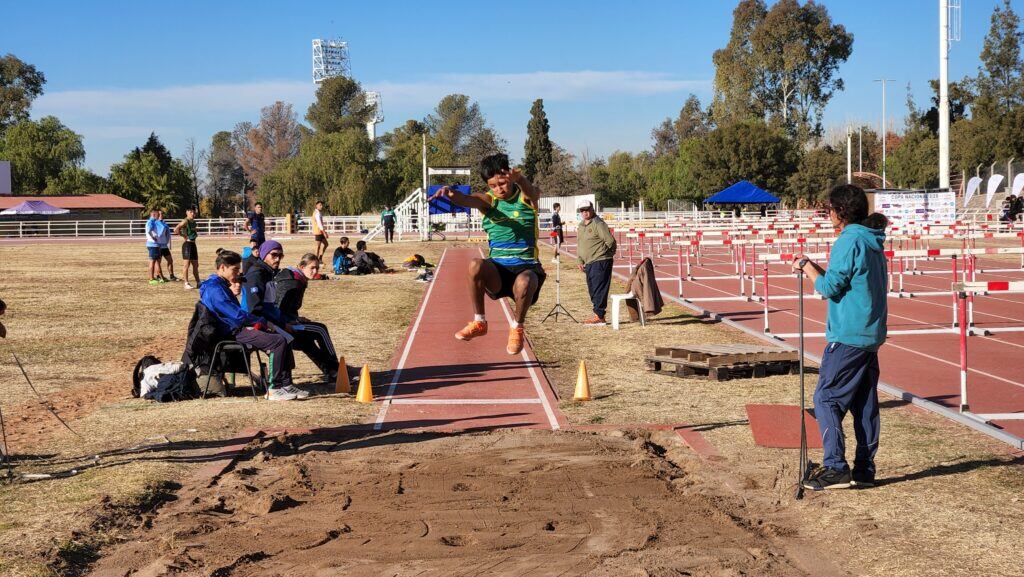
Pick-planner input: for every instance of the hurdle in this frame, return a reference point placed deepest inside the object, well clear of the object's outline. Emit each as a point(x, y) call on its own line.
point(961, 291)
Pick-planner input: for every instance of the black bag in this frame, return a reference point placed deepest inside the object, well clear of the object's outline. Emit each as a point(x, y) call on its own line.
point(143, 364)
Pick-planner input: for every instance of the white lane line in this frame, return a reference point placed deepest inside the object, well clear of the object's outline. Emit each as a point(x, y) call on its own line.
point(408, 346)
point(465, 401)
point(529, 365)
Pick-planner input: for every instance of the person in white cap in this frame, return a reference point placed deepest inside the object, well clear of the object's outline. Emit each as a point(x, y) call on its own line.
point(596, 251)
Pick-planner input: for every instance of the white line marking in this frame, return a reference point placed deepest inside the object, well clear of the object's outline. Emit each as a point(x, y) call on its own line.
point(408, 346)
point(465, 401)
point(529, 365)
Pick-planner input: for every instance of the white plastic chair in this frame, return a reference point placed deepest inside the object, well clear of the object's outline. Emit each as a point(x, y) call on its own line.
point(617, 301)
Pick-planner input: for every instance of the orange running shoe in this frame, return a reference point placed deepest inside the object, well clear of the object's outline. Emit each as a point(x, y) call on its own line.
point(472, 330)
point(515, 340)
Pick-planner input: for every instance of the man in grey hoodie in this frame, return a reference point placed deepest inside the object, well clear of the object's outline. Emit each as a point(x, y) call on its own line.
point(855, 286)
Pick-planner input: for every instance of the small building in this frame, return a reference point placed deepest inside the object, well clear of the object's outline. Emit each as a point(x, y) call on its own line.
point(82, 207)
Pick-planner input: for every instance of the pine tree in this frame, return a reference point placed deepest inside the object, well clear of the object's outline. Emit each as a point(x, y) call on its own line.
point(539, 151)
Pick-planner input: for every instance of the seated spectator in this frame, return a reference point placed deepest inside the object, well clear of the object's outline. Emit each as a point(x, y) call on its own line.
point(250, 254)
point(368, 262)
point(311, 337)
point(1007, 208)
point(258, 295)
point(235, 322)
point(343, 256)
point(1016, 207)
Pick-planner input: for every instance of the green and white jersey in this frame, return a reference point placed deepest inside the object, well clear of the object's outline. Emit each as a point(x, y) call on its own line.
point(512, 229)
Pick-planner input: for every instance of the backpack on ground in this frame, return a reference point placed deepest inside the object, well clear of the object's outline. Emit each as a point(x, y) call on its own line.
point(143, 364)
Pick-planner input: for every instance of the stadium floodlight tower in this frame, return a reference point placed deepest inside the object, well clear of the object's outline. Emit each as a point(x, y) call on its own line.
point(330, 59)
point(949, 31)
point(373, 99)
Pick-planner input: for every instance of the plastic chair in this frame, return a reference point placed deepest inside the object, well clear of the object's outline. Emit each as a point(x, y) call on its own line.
point(617, 301)
point(232, 346)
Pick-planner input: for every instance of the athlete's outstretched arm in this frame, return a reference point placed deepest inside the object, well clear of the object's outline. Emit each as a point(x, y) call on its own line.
point(532, 192)
point(471, 200)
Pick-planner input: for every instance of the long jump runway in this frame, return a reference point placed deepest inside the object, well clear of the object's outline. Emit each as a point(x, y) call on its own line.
point(440, 383)
point(925, 365)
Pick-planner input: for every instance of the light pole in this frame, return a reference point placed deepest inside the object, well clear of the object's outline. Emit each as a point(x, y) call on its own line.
point(884, 128)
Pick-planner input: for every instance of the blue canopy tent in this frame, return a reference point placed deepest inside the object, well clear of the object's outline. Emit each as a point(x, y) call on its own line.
point(743, 192)
point(35, 207)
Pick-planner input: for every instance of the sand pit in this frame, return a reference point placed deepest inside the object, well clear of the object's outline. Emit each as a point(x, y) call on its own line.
point(503, 503)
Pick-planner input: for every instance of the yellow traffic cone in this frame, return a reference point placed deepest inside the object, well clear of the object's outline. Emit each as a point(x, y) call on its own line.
point(582, 392)
point(365, 392)
point(342, 384)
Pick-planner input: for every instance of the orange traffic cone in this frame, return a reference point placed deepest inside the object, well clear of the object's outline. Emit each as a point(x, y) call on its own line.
point(342, 384)
point(365, 392)
point(582, 392)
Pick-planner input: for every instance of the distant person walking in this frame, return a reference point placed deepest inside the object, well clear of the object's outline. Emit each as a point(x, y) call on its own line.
point(189, 252)
point(855, 286)
point(153, 225)
point(596, 251)
point(387, 219)
point(319, 232)
point(557, 230)
point(256, 223)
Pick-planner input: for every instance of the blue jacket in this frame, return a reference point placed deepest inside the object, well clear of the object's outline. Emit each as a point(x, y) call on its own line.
point(158, 229)
point(855, 285)
point(215, 294)
point(259, 293)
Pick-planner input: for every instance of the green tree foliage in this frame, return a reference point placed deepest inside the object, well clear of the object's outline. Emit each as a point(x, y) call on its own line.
point(693, 122)
point(340, 104)
point(780, 64)
point(20, 84)
point(622, 179)
point(262, 147)
point(539, 151)
point(38, 151)
point(460, 135)
point(561, 176)
point(225, 177)
point(671, 176)
point(912, 163)
point(75, 180)
point(818, 171)
point(340, 168)
point(1000, 85)
point(151, 176)
point(744, 151)
point(403, 159)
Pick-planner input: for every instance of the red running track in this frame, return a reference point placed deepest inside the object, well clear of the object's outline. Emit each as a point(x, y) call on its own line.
point(925, 365)
point(440, 383)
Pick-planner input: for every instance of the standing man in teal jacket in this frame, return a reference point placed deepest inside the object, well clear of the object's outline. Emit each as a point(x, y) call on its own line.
point(855, 286)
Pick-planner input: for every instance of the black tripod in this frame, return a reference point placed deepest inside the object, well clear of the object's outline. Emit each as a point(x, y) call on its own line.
point(558, 309)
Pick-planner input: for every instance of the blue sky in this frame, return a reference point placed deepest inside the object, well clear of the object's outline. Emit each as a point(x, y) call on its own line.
point(608, 71)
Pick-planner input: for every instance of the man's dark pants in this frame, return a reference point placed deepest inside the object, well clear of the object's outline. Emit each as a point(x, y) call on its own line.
point(315, 341)
point(599, 280)
point(277, 350)
point(848, 381)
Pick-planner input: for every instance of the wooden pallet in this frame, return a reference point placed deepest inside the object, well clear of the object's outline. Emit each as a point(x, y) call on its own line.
point(723, 362)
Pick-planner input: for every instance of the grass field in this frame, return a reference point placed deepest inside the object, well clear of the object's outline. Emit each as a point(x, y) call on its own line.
point(80, 315)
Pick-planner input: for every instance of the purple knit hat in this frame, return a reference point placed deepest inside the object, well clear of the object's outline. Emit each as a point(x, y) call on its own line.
point(268, 246)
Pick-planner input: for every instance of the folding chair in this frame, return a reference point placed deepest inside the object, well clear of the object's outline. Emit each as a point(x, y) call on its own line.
point(231, 346)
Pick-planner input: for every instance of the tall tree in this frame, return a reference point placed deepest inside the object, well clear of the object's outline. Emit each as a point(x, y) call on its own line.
point(159, 151)
point(260, 148)
point(75, 180)
point(735, 68)
point(780, 64)
point(539, 150)
point(38, 151)
point(20, 84)
point(340, 104)
point(192, 160)
point(459, 133)
point(562, 176)
point(139, 178)
point(1000, 83)
point(402, 148)
point(818, 171)
point(225, 177)
point(693, 122)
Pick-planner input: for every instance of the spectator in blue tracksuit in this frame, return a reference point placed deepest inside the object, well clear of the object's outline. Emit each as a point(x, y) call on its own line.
point(252, 330)
point(855, 286)
point(156, 230)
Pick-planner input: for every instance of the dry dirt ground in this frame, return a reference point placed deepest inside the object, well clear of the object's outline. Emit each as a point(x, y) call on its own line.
point(950, 502)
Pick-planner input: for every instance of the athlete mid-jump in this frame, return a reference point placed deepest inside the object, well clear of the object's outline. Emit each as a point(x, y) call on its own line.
point(512, 268)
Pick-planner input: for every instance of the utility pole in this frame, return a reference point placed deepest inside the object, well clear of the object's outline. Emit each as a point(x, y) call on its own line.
point(849, 155)
point(860, 148)
point(885, 129)
point(947, 33)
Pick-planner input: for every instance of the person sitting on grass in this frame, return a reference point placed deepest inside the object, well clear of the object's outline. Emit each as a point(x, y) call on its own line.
point(367, 262)
point(512, 269)
point(311, 337)
point(189, 253)
point(343, 256)
point(255, 331)
point(855, 286)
